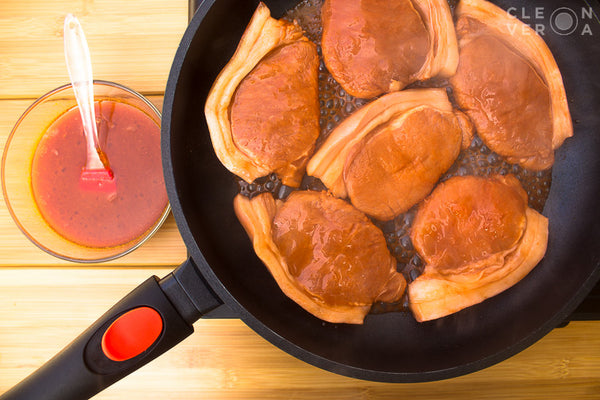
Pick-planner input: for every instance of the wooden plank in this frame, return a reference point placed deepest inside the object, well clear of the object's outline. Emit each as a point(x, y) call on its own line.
point(43, 309)
point(131, 42)
point(165, 248)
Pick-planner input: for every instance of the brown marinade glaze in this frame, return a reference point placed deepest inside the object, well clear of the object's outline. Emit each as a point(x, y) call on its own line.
point(336, 105)
point(372, 45)
point(312, 228)
point(278, 99)
point(496, 104)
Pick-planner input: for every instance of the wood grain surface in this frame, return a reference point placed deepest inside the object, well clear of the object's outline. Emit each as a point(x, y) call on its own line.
point(44, 308)
point(131, 42)
point(45, 302)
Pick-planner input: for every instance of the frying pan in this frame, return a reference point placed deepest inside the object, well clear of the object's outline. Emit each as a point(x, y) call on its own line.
point(390, 347)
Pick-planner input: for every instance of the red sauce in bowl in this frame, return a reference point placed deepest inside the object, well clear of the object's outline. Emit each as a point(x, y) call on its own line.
point(131, 141)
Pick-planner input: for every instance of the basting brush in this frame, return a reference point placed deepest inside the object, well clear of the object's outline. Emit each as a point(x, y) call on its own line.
point(96, 175)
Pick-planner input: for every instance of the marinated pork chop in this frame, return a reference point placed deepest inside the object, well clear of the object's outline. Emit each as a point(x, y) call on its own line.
point(477, 237)
point(324, 254)
point(373, 47)
point(275, 110)
point(387, 156)
point(263, 109)
point(509, 84)
point(399, 163)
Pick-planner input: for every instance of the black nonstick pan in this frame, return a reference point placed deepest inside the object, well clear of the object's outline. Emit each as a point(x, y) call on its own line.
point(390, 347)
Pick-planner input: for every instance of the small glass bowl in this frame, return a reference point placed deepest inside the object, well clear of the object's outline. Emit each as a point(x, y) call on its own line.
point(16, 172)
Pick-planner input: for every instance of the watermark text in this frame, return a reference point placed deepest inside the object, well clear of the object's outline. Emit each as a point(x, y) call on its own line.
point(561, 21)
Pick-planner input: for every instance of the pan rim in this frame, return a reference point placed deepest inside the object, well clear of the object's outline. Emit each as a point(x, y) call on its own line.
point(269, 334)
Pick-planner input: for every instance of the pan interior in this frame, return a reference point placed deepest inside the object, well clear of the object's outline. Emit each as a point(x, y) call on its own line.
point(389, 346)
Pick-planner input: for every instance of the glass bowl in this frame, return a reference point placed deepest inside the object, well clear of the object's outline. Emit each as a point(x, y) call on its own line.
point(16, 173)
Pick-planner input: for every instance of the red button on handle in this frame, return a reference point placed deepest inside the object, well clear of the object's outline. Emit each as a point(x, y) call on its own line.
point(132, 333)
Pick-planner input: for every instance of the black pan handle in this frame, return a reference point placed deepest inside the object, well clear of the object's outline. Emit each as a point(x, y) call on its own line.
point(150, 320)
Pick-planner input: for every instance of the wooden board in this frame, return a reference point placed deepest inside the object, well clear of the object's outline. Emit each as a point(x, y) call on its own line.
point(43, 309)
point(131, 42)
point(46, 302)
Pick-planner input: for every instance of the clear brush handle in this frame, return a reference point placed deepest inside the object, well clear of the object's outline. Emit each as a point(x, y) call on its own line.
point(79, 65)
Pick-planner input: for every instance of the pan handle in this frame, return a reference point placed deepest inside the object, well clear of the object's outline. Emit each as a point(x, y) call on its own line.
point(150, 320)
